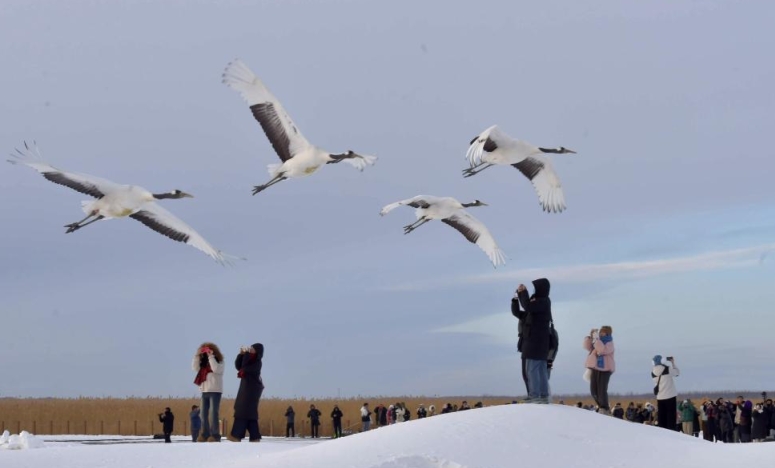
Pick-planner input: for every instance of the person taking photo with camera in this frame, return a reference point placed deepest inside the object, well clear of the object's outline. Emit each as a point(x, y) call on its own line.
point(665, 391)
point(251, 386)
point(208, 365)
point(600, 361)
point(167, 419)
point(536, 338)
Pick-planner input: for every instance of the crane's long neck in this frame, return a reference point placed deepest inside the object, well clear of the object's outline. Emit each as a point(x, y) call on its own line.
point(173, 195)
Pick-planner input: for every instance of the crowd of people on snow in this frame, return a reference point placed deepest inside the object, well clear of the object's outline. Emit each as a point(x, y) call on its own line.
point(381, 415)
point(720, 420)
point(538, 342)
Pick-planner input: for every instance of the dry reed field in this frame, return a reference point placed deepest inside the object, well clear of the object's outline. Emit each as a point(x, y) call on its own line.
point(138, 416)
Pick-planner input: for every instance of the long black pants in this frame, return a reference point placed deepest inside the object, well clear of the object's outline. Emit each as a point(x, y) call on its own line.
point(290, 430)
point(240, 426)
point(337, 428)
point(315, 428)
point(598, 387)
point(167, 437)
point(666, 413)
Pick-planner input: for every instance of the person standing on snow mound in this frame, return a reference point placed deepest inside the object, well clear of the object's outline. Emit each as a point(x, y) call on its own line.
point(248, 364)
point(664, 389)
point(536, 338)
point(599, 345)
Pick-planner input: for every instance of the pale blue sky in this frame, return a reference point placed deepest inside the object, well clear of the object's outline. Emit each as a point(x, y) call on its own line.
point(670, 198)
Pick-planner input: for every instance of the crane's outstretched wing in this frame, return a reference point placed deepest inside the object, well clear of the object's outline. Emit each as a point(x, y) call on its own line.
point(420, 201)
point(162, 221)
point(285, 137)
point(84, 183)
point(475, 231)
point(486, 142)
point(545, 181)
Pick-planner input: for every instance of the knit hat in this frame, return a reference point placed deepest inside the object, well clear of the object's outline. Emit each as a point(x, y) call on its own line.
point(657, 360)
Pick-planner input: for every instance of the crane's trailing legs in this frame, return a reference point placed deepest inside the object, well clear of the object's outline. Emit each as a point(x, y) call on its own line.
point(472, 171)
point(259, 188)
point(415, 225)
point(76, 226)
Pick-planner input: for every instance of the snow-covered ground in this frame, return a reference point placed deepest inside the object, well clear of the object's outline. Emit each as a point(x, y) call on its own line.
point(509, 436)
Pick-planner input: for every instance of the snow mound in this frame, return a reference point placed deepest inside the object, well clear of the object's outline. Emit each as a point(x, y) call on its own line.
point(418, 461)
point(22, 441)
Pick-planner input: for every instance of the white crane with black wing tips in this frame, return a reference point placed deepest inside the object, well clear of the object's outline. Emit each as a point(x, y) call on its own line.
point(493, 147)
point(450, 211)
point(299, 157)
point(119, 201)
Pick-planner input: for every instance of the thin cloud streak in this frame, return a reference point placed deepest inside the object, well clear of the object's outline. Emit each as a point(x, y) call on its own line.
point(586, 273)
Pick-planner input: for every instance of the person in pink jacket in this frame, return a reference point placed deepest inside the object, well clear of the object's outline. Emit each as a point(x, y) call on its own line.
point(600, 360)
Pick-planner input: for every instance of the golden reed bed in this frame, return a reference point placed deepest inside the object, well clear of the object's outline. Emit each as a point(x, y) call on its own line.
point(138, 416)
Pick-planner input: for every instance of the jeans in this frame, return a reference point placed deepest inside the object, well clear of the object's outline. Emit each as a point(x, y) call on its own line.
point(537, 379)
point(524, 374)
point(211, 403)
point(365, 425)
point(194, 434)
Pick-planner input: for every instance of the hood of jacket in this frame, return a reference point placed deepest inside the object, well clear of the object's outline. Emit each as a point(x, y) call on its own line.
point(541, 287)
point(259, 350)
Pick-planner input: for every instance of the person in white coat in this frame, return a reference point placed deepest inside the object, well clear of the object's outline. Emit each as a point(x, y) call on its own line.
point(208, 365)
point(665, 391)
point(399, 413)
point(365, 417)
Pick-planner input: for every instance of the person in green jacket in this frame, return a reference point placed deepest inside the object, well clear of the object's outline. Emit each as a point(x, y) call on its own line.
point(688, 411)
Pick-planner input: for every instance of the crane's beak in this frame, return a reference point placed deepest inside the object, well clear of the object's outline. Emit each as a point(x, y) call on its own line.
point(186, 195)
point(569, 151)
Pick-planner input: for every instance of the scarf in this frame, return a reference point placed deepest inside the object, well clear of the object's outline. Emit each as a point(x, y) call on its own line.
point(605, 339)
point(201, 376)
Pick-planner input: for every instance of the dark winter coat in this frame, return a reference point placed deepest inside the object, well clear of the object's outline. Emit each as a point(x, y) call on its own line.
point(168, 420)
point(382, 416)
point(771, 411)
point(759, 428)
point(745, 417)
point(314, 416)
point(336, 415)
point(536, 338)
point(521, 315)
point(290, 415)
point(251, 386)
point(618, 412)
point(421, 413)
point(725, 422)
